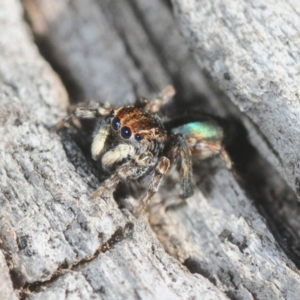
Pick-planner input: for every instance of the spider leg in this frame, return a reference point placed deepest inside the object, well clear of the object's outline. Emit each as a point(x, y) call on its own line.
point(133, 169)
point(83, 113)
point(180, 147)
point(160, 170)
point(226, 159)
point(154, 105)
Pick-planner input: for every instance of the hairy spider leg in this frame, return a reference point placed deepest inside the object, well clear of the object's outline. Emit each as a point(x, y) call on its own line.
point(154, 105)
point(226, 159)
point(161, 169)
point(180, 146)
point(84, 113)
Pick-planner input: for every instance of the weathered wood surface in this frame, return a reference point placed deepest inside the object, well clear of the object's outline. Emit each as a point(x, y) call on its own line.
point(6, 288)
point(57, 243)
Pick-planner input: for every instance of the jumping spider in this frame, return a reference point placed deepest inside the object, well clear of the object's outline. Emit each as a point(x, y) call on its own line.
point(133, 142)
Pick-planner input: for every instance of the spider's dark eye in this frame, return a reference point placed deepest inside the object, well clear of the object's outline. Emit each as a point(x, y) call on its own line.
point(125, 132)
point(138, 137)
point(112, 114)
point(156, 131)
point(115, 124)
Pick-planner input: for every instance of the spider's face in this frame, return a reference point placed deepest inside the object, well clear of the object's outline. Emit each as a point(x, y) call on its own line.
point(128, 132)
point(142, 130)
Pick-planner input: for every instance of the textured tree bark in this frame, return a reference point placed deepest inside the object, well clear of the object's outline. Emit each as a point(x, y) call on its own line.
point(6, 288)
point(56, 242)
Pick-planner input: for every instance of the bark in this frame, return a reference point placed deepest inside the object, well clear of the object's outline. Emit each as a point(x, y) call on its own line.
point(237, 237)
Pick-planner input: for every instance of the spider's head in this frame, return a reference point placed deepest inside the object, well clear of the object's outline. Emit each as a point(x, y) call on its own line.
point(144, 131)
point(129, 131)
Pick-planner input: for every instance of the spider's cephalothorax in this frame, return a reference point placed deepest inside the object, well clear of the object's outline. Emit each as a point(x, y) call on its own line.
point(128, 131)
point(132, 142)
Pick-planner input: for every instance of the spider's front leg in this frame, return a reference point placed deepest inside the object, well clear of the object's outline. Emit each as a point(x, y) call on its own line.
point(133, 169)
point(154, 105)
point(84, 113)
point(179, 147)
point(161, 169)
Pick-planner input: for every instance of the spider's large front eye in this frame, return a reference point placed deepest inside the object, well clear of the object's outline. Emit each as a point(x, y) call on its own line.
point(125, 132)
point(115, 124)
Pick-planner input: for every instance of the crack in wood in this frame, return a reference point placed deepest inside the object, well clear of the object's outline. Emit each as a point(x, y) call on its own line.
point(118, 236)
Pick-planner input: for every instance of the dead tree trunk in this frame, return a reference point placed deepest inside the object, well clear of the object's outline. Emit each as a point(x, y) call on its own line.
point(237, 237)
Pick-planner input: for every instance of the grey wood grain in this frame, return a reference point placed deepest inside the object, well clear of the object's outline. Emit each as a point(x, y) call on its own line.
point(6, 288)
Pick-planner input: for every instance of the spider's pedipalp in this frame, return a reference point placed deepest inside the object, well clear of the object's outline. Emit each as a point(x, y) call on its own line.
point(130, 170)
point(119, 153)
point(99, 141)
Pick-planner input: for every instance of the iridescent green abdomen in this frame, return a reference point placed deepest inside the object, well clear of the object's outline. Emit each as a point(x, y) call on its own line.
point(200, 130)
point(204, 138)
